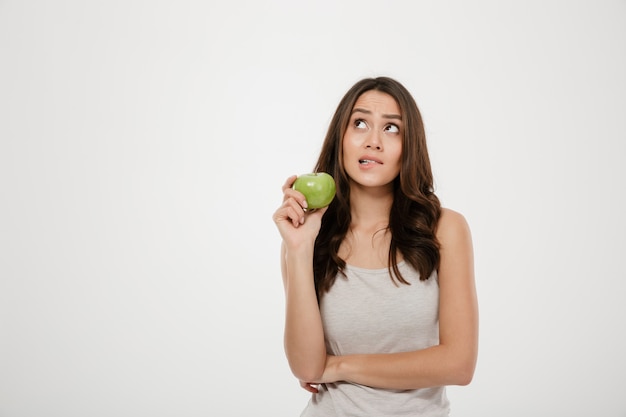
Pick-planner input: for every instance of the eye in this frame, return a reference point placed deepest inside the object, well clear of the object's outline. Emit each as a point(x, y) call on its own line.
point(360, 124)
point(391, 128)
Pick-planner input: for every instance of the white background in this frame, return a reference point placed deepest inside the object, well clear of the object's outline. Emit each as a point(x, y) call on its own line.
point(143, 145)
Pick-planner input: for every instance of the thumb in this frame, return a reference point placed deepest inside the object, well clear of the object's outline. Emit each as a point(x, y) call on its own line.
point(317, 213)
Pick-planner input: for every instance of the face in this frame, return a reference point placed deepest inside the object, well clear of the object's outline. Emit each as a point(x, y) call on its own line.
point(372, 143)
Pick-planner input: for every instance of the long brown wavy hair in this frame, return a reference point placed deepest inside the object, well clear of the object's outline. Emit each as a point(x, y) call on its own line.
point(415, 209)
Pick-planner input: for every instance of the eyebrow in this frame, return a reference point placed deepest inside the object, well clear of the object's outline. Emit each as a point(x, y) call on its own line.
point(386, 116)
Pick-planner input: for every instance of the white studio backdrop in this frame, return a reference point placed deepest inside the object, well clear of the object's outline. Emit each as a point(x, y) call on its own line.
point(143, 145)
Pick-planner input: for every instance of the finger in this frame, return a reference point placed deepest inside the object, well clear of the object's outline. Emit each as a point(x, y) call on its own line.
point(289, 192)
point(294, 217)
point(296, 195)
point(295, 210)
point(291, 213)
point(289, 182)
point(309, 387)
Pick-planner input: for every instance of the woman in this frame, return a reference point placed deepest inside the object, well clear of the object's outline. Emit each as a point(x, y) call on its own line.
point(381, 309)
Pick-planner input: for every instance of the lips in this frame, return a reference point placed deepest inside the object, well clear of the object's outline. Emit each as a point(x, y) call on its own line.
point(367, 160)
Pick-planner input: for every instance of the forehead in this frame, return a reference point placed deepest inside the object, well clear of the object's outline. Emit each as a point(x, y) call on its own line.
point(377, 102)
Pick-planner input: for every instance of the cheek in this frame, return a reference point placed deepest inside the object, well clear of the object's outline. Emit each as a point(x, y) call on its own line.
point(345, 149)
point(398, 166)
point(397, 150)
point(348, 144)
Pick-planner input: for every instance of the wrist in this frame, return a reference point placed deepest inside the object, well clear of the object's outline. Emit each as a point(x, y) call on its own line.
point(335, 368)
point(300, 250)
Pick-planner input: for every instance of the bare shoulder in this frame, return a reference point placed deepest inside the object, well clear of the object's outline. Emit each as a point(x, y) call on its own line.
point(452, 227)
point(456, 251)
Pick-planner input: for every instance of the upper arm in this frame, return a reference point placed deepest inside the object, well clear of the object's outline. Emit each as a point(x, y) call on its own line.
point(458, 305)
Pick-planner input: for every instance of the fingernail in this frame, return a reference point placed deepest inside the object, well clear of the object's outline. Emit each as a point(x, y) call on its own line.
point(304, 204)
point(302, 220)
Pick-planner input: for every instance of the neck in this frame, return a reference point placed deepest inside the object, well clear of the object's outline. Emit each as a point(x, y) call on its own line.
point(370, 207)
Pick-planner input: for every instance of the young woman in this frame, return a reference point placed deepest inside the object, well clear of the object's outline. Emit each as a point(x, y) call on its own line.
point(381, 308)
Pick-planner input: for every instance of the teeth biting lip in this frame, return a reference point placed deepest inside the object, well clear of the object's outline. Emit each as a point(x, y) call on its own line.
point(368, 161)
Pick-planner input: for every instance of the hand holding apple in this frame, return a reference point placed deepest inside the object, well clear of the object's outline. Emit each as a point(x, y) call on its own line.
point(318, 188)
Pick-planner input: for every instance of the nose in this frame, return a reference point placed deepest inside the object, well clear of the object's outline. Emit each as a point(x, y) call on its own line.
point(373, 141)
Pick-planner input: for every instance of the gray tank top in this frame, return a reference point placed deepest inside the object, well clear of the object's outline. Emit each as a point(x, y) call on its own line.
point(368, 313)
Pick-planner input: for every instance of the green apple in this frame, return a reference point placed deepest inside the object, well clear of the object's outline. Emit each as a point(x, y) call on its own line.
point(318, 189)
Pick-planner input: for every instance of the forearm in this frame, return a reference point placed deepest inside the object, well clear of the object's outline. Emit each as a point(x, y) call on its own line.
point(304, 335)
point(435, 366)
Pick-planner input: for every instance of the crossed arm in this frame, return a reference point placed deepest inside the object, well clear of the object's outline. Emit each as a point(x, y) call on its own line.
point(451, 362)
